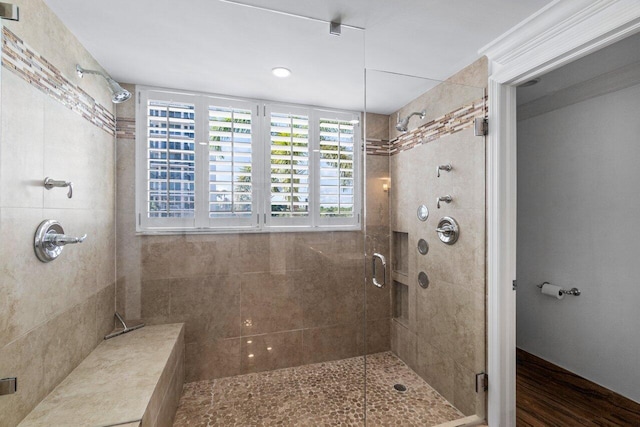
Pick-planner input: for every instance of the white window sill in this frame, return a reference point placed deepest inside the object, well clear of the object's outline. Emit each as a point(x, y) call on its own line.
point(181, 231)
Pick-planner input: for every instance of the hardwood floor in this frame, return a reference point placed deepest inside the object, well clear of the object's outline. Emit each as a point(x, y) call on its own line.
point(548, 395)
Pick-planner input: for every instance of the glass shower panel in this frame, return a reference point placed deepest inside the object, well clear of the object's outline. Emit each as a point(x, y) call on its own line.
point(426, 325)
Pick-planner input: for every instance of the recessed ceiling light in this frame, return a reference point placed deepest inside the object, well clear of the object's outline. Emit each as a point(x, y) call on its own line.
point(281, 72)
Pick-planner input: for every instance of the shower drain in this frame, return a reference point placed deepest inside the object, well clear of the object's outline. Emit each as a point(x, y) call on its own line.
point(400, 387)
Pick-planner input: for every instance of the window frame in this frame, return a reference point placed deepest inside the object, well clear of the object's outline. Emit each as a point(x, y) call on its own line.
point(261, 220)
point(143, 221)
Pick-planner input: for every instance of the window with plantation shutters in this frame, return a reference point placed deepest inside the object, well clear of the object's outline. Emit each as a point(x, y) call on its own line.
point(289, 165)
point(209, 163)
point(171, 162)
point(230, 155)
point(337, 168)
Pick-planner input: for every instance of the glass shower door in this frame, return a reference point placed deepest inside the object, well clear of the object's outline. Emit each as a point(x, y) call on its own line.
point(425, 313)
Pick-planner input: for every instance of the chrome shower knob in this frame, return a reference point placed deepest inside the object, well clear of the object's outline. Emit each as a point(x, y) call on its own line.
point(50, 240)
point(448, 230)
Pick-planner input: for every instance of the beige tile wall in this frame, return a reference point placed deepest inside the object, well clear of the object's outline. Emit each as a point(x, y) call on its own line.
point(444, 340)
point(461, 89)
point(250, 302)
point(52, 315)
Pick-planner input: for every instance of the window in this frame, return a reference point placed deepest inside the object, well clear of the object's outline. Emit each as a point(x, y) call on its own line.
point(170, 163)
point(207, 163)
point(337, 173)
point(229, 176)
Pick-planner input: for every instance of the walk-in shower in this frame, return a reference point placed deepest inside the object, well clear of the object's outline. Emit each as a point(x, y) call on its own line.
point(249, 214)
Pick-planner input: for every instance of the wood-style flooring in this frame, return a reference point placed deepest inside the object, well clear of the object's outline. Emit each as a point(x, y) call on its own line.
point(548, 395)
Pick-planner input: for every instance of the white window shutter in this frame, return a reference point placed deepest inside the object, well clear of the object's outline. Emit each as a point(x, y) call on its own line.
point(231, 164)
point(289, 163)
point(337, 168)
point(207, 162)
point(170, 151)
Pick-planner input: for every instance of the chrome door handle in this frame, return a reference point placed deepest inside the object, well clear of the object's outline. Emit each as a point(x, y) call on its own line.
point(384, 270)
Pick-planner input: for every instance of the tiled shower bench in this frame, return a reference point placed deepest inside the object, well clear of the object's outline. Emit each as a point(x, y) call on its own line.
point(133, 379)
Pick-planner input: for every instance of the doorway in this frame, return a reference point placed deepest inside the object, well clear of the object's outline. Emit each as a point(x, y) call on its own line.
point(577, 242)
point(557, 35)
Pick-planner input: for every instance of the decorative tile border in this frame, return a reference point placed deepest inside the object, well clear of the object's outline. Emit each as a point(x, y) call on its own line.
point(448, 124)
point(19, 58)
point(378, 147)
point(125, 128)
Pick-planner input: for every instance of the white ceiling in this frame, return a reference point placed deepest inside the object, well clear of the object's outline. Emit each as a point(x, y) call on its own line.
point(217, 47)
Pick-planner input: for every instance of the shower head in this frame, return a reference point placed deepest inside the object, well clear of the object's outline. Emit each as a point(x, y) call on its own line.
point(119, 94)
point(403, 124)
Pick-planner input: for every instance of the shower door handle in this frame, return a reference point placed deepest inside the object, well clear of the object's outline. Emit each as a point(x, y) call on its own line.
point(384, 270)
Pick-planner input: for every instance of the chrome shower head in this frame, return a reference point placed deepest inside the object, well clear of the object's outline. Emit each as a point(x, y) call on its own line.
point(119, 94)
point(403, 124)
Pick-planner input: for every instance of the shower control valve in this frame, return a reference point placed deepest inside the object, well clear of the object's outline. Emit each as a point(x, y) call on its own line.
point(50, 240)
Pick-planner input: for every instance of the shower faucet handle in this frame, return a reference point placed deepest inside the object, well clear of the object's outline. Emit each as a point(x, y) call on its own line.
point(49, 183)
point(57, 239)
point(446, 167)
point(446, 199)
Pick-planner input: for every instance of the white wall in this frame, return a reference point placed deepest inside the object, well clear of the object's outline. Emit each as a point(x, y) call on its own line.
point(579, 226)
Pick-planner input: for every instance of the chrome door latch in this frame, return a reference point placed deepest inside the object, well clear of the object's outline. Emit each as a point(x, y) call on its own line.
point(8, 386)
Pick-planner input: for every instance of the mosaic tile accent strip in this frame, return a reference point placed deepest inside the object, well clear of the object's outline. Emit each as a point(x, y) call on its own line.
point(379, 147)
point(450, 123)
point(125, 128)
point(19, 58)
point(322, 394)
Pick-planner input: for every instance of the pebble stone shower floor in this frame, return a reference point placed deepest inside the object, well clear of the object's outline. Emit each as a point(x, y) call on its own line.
point(322, 394)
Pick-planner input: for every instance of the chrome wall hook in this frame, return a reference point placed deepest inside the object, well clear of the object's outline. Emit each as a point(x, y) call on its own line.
point(51, 183)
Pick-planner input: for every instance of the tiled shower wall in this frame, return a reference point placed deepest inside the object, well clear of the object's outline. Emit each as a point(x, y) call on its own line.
point(52, 315)
point(251, 302)
point(442, 337)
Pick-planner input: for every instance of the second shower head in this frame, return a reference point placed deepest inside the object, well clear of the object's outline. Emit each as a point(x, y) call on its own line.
point(403, 125)
point(119, 94)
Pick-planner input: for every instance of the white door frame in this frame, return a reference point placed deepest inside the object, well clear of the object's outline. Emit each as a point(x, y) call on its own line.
point(561, 32)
